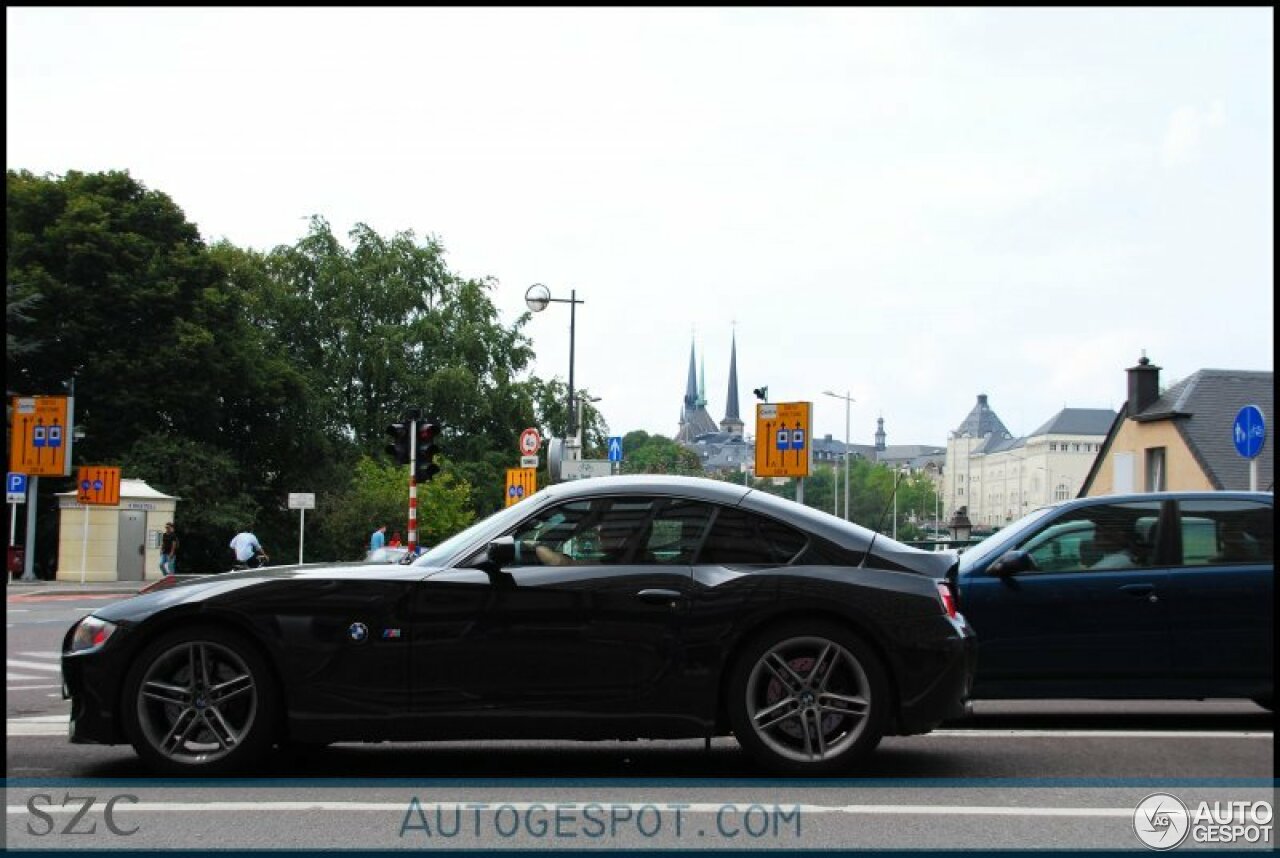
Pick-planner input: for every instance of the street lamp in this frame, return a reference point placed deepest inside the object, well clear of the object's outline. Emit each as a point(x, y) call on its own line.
point(537, 297)
point(848, 400)
point(960, 525)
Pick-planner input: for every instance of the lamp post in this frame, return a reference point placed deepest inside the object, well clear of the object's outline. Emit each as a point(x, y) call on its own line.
point(960, 525)
point(537, 297)
point(848, 400)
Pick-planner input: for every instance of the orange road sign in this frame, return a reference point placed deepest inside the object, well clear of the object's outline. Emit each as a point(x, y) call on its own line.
point(98, 485)
point(784, 442)
point(40, 443)
point(521, 482)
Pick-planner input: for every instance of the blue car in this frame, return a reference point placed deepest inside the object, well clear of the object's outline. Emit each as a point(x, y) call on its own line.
point(1156, 595)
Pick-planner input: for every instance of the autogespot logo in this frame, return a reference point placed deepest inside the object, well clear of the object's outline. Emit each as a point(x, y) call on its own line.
point(1161, 821)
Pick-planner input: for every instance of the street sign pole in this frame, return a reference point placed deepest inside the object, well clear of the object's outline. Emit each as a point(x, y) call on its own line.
point(84, 540)
point(413, 486)
point(29, 558)
point(302, 528)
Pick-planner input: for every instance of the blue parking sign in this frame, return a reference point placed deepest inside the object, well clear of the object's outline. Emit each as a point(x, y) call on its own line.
point(16, 488)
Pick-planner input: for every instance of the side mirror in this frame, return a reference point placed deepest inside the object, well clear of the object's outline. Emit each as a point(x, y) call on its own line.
point(1011, 563)
point(502, 551)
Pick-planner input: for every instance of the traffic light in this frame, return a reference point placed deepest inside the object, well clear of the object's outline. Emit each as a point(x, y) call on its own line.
point(398, 449)
point(428, 428)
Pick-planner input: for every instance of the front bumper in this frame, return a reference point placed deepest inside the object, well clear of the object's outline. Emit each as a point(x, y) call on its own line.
point(92, 681)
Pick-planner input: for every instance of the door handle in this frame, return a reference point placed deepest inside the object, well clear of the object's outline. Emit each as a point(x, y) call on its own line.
point(660, 596)
point(1141, 591)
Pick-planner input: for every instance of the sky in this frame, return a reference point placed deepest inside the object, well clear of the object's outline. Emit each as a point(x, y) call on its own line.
point(907, 206)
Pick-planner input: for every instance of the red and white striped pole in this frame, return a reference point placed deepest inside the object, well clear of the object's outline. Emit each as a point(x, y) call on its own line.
point(413, 486)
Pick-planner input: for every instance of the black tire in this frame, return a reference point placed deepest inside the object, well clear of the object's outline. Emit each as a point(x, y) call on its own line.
point(808, 698)
point(200, 701)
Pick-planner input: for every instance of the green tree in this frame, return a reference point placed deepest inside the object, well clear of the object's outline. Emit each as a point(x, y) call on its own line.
point(377, 494)
point(643, 453)
point(384, 326)
point(145, 322)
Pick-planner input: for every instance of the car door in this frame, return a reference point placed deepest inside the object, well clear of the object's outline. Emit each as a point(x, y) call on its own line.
point(1075, 616)
point(571, 628)
point(1222, 588)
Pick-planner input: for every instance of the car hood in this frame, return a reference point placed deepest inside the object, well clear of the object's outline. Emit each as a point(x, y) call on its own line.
point(207, 587)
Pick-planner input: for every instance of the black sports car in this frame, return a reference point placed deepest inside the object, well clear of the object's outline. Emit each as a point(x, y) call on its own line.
point(611, 608)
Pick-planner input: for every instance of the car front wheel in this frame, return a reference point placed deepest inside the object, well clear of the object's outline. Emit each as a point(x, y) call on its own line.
point(200, 702)
point(808, 698)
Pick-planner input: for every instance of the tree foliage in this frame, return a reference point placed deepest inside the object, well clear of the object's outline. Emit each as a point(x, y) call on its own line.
point(643, 453)
point(231, 377)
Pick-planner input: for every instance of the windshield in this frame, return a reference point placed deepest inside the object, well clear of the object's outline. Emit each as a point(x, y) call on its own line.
point(494, 525)
point(998, 542)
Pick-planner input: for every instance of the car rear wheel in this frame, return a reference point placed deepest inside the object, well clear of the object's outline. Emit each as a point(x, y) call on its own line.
point(808, 698)
point(200, 702)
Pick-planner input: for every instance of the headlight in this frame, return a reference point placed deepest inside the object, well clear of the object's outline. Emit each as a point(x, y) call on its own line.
point(91, 634)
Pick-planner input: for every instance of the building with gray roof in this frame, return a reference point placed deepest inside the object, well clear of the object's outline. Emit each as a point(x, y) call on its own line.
point(1181, 439)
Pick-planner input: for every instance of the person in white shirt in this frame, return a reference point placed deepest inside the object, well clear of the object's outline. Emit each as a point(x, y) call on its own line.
point(247, 549)
point(1116, 553)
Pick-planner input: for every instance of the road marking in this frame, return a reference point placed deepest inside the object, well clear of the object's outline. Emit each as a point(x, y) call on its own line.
point(1104, 734)
point(31, 665)
point(428, 807)
point(51, 725)
point(65, 597)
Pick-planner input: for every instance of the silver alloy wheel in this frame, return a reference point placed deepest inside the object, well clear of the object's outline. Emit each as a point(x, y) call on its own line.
point(808, 699)
point(197, 702)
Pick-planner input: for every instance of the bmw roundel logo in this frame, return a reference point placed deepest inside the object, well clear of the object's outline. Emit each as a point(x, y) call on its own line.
point(359, 632)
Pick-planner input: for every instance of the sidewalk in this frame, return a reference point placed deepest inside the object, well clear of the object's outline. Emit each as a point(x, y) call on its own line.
point(75, 588)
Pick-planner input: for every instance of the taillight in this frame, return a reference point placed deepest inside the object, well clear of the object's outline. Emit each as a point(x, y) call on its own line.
point(948, 599)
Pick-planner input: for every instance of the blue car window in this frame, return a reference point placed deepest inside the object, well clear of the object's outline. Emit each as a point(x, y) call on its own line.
point(1097, 537)
point(1226, 533)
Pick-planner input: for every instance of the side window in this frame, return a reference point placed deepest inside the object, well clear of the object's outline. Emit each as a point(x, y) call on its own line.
point(551, 537)
point(678, 529)
point(1226, 533)
point(739, 537)
point(1100, 537)
point(613, 531)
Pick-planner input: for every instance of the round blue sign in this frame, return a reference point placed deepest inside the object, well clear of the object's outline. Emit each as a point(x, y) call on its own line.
point(1249, 431)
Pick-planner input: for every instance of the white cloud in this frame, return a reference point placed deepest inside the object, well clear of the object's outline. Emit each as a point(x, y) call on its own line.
point(1188, 128)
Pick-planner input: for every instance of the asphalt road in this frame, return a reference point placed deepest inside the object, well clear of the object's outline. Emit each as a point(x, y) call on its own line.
point(1018, 774)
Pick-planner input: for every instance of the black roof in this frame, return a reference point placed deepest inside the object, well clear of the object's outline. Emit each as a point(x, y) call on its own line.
point(1204, 406)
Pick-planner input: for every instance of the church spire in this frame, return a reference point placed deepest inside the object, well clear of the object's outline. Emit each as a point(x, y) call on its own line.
point(732, 423)
point(691, 389)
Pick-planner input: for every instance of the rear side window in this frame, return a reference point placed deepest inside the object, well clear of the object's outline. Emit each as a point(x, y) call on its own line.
point(1226, 533)
point(739, 537)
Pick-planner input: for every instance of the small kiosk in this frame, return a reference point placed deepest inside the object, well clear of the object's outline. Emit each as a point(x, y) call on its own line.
point(113, 543)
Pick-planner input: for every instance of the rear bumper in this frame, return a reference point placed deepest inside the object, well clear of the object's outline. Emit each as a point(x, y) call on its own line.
point(947, 697)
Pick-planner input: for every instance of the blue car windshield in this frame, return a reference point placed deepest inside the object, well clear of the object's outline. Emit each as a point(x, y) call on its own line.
point(999, 542)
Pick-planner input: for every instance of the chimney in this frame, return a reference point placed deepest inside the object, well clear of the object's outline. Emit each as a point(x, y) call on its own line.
point(1144, 386)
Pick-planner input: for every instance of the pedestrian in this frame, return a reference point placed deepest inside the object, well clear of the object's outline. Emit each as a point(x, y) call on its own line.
point(395, 540)
point(169, 551)
point(248, 551)
point(379, 538)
